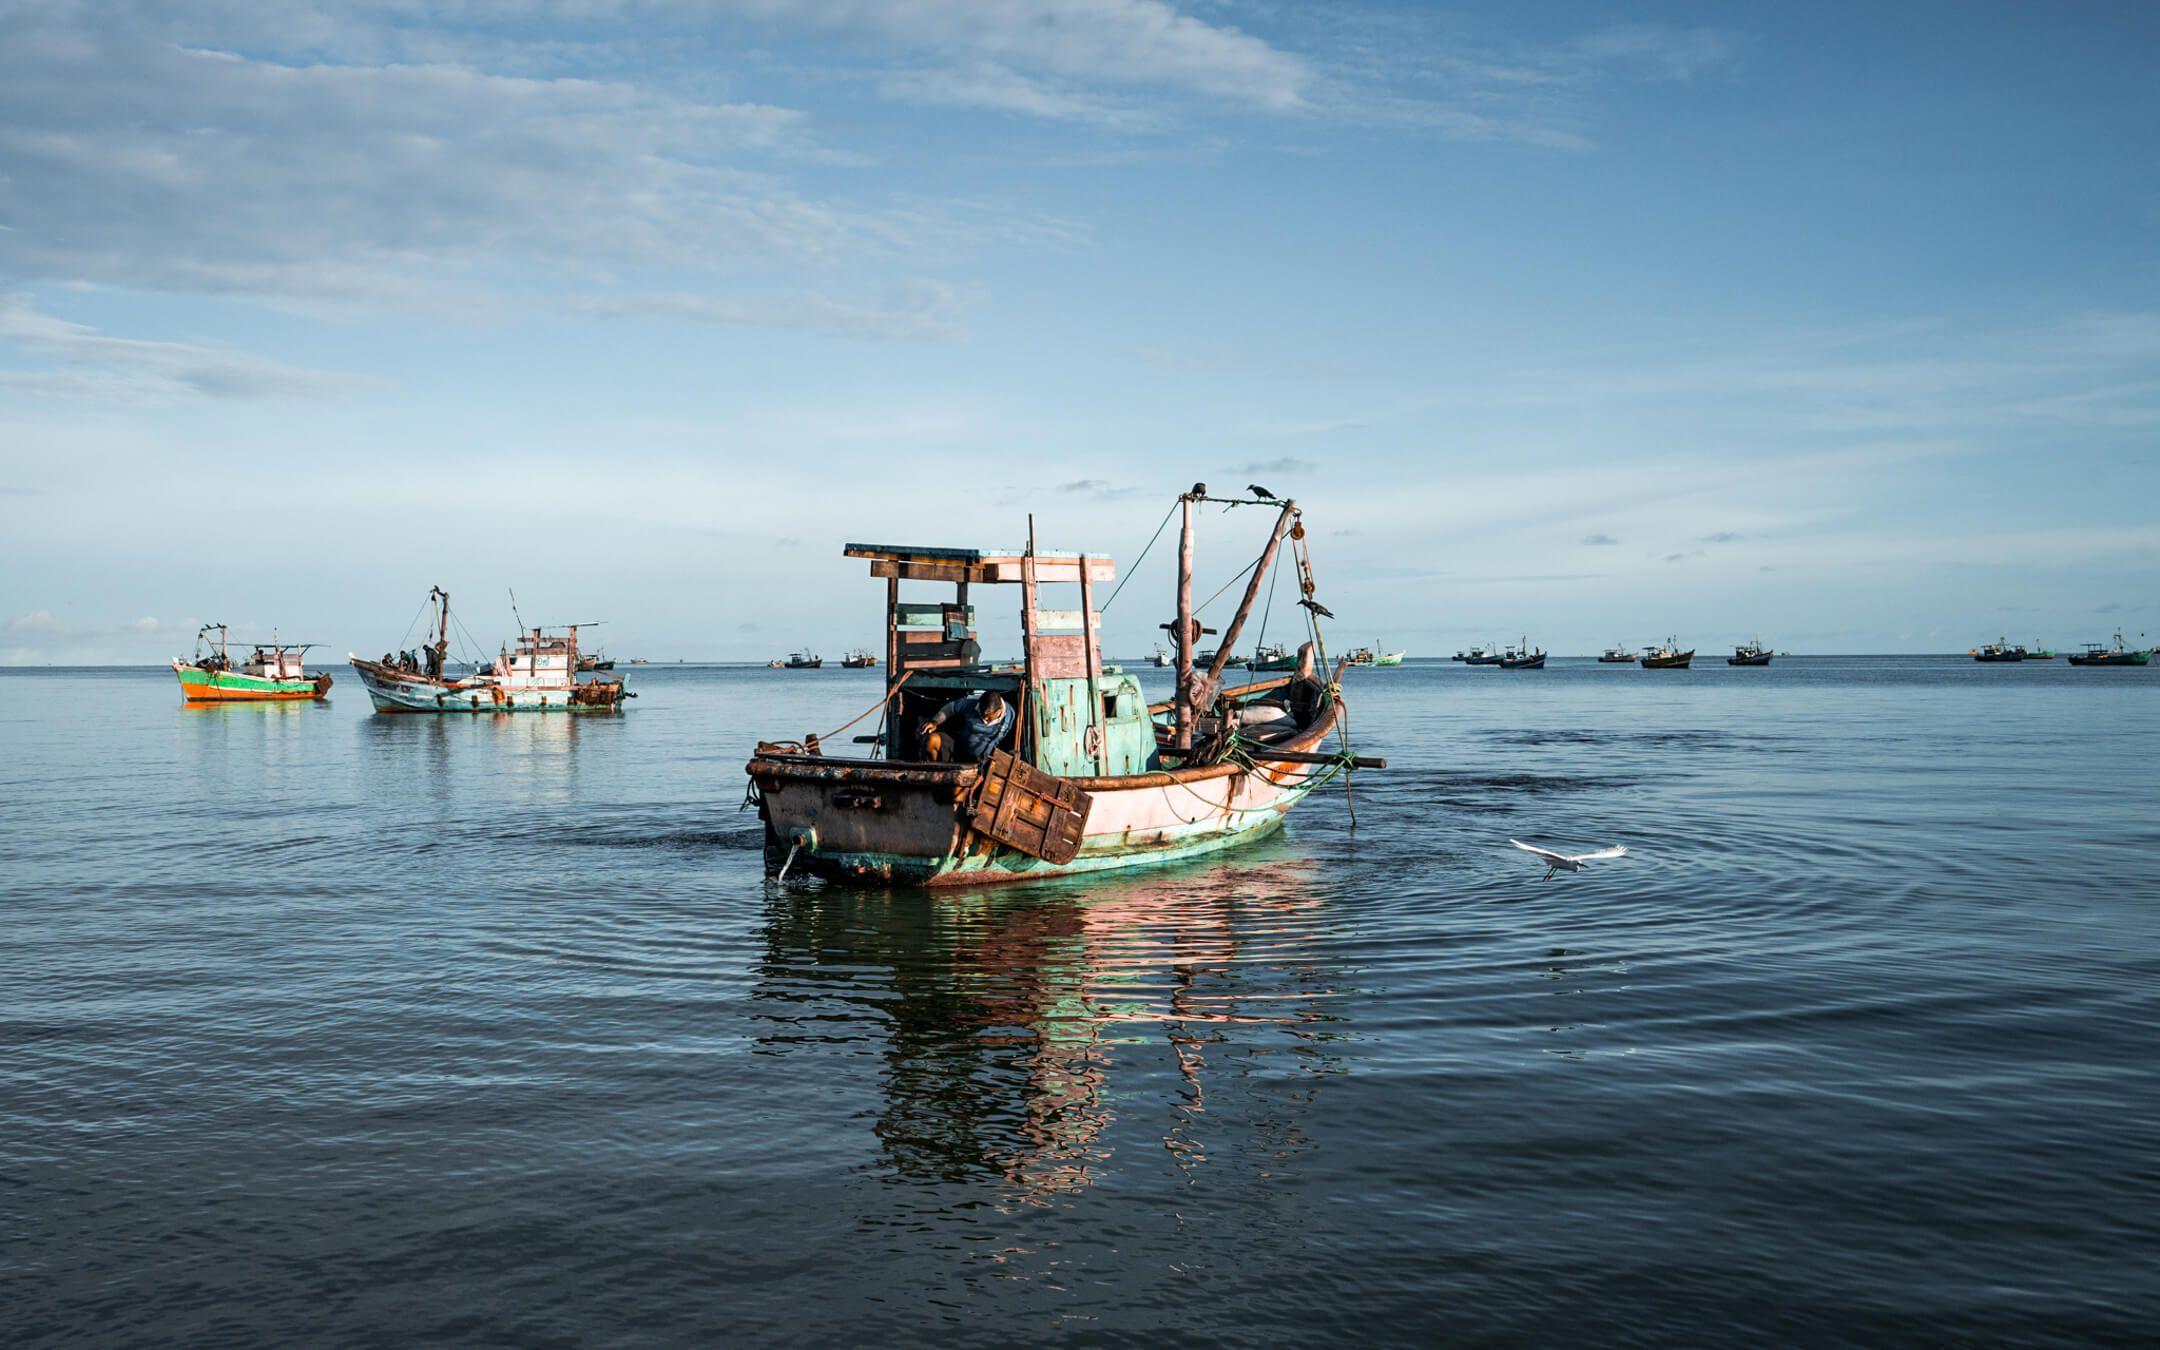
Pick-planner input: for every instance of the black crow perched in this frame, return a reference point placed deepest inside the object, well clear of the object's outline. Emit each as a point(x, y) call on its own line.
point(1316, 607)
point(1258, 491)
point(1199, 489)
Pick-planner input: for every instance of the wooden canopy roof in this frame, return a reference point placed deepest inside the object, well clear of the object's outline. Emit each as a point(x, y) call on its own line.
point(983, 566)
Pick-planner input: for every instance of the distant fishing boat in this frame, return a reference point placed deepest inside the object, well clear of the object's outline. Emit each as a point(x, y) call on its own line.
point(1617, 656)
point(271, 673)
point(1274, 656)
point(1749, 654)
point(1383, 657)
point(2100, 654)
point(1521, 657)
point(594, 662)
point(1483, 656)
point(538, 673)
point(1093, 778)
point(1474, 654)
point(1160, 658)
point(2000, 651)
point(1667, 657)
point(2036, 652)
point(804, 661)
point(858, 660)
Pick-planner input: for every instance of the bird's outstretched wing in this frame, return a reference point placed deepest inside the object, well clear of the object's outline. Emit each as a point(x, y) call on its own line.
point(1544, 853)
point(1616, 851)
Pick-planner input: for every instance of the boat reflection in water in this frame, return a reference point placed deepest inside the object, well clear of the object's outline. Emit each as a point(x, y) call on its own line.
point(1018, 1027)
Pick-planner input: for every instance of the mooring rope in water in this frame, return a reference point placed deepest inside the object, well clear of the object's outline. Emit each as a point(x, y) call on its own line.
point(781, 879)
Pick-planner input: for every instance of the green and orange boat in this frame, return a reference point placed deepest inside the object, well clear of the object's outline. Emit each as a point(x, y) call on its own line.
point(271, 673)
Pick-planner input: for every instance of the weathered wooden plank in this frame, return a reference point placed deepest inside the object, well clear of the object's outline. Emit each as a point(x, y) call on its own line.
point(917, 647)
point(1050, 571)
point(927, 571)
point(1038, 813)
point(1062, 620)
point(1062, 656)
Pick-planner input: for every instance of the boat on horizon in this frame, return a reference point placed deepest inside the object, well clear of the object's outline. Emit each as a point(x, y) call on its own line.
point(1521, 657)
point(1749, 654)
point(1667, 657)
point(1159, 658)
point(1091, 777)
point(271, 673)
point(1617, 656)
point(537, 673)
point(2036, 652)
point(1483, 656)
point(1999, 651)
point(803, 660)
point(2101, 654)
point(1272, 657)
point(858, 660)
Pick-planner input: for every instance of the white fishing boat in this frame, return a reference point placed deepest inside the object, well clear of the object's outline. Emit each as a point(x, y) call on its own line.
point(536, 673)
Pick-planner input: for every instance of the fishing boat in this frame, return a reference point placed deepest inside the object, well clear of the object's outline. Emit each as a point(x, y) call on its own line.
point(2036, 652)
point(537, 673)
point(1475, 656)
point(1485, 656)
point(1160, 658)
point(588, 664)
point(1749, 654)
point(2101, 654)
point(271, 673)
point(1667, 657)
point(1386, 658)
point(1617, 655)
point(1999, 651)
point(858, 660)
point(1272, 657)
point(1093, 778)
point(804, 661)
point(1521, 657)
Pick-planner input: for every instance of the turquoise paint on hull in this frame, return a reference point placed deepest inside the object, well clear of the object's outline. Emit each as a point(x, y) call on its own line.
point(1008, 867)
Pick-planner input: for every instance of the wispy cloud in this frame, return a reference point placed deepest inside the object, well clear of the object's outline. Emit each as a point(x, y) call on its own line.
point(923, 311)
point(90, 362)
point(1599, 540)
point(1721, 537)
point(1286, 464)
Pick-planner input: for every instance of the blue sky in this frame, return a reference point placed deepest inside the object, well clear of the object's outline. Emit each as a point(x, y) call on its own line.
point(1837, 324)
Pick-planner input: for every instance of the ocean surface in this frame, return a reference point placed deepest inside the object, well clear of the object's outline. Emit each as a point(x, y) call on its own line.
point(326, 1028)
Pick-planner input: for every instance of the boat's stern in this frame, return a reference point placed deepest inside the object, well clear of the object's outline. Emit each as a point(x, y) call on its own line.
point(859, 821)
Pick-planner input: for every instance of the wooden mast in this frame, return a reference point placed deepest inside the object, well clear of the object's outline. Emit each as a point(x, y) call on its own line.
point(1252, 592)
point(1185, 712)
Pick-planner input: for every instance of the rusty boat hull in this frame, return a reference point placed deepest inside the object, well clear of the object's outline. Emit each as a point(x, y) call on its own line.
point(884, 823)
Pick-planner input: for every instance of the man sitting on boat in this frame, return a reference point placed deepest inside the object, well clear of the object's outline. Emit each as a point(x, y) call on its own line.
point(967, 729)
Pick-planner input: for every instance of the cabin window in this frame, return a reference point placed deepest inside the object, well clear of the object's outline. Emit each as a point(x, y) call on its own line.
point(1112, 707)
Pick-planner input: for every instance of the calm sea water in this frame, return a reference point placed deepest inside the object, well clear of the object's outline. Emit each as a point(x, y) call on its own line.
point(323, 1027)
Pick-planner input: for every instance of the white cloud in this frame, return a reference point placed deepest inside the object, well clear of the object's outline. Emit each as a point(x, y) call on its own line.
point(92, 363)
point(922, 311)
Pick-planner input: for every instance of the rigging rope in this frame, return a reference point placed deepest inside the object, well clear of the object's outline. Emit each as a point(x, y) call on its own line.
point(1114, 591)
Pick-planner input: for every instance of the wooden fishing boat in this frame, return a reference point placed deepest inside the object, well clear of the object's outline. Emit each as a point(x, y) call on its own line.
point(1521, 657)
point(1667, 657)
point(2036, 652)
point(1484, 656)
point(858, 660)
point(1387, 658)
point(271, 673)
point(1617, 655)
point(1094, 778)
point(1749, 654)
point(804, 661)
point(1159, 658)
point(537, 673)
point(588, 664)
point(2101, 654)
point(1999, 651)
point(1476, 655)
